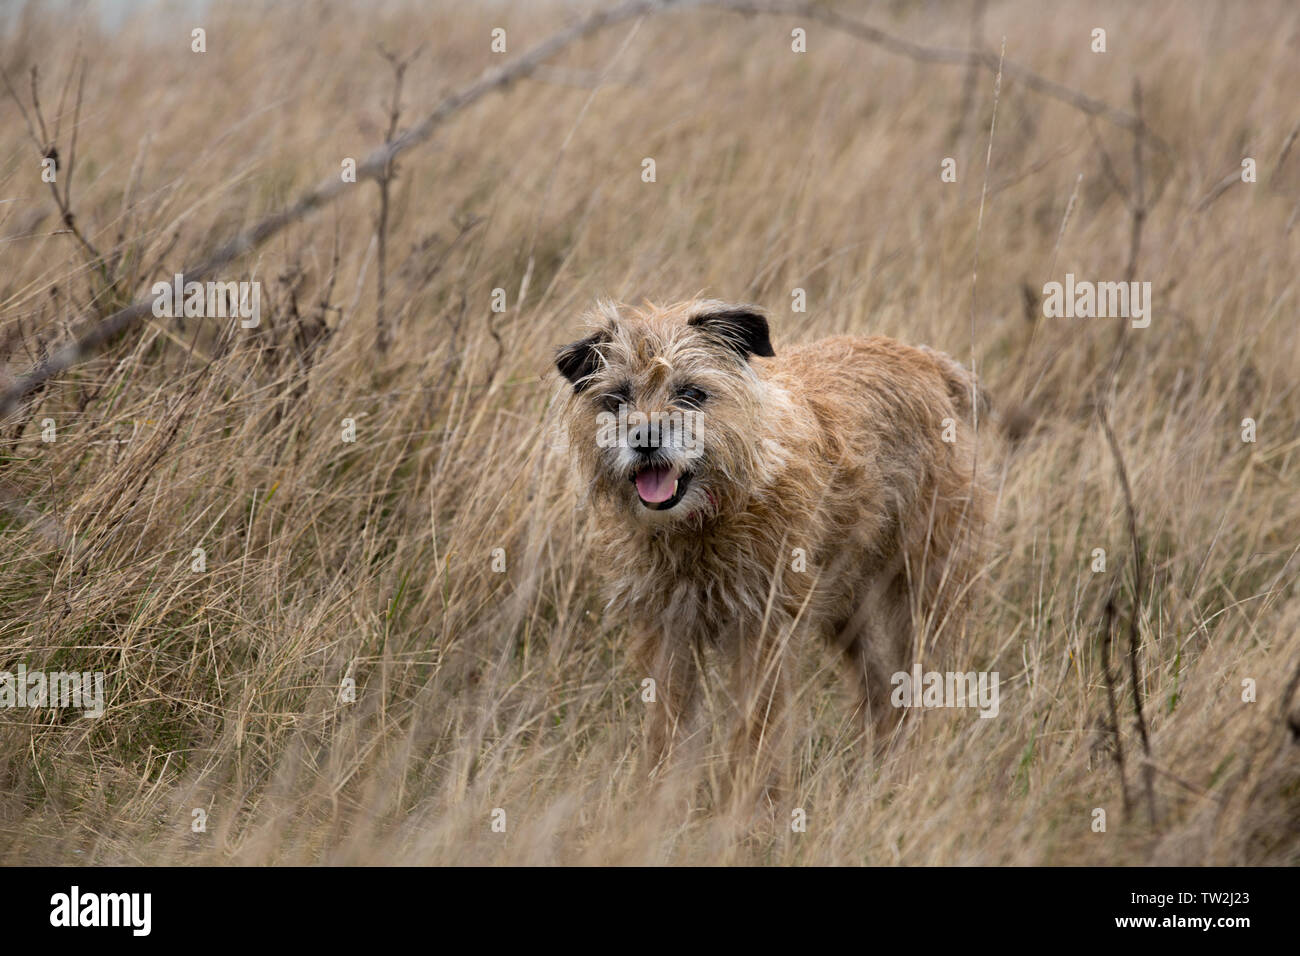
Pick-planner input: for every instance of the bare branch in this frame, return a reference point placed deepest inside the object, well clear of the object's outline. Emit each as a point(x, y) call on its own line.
point(48, 149)
point(943, 55)
point(385, 180)
point(13, 95)
point(1139, 206)
point(1135, 675)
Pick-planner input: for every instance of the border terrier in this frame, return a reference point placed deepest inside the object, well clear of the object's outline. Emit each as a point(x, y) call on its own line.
point(741, 497)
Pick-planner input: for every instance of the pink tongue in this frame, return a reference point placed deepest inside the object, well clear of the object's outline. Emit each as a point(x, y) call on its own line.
point(655, 484)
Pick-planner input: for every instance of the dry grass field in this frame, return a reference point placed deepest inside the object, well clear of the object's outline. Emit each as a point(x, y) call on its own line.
point(329, 563)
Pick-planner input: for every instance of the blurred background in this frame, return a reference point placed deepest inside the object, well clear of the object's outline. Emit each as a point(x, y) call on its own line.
point(354, 651)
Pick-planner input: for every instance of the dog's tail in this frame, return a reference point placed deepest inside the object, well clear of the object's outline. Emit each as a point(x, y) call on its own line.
point(969, 396)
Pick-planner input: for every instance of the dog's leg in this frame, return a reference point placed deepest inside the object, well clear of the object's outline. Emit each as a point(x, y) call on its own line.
point(866, 649)
point(761, 749)
point(672, 665)
point(875, 642)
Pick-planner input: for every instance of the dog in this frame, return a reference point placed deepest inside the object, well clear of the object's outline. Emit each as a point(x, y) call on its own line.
point(740, 496)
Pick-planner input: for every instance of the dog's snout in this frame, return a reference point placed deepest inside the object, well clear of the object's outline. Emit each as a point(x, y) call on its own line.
point(643, 438)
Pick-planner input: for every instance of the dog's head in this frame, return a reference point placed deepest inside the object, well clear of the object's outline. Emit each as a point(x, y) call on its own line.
point(666, 411)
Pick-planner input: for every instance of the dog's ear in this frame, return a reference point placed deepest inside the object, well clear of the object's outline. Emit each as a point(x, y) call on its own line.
point(742, 328)
point(580, 360)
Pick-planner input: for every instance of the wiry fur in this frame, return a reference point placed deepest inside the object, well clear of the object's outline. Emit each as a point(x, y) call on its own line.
point(833, 447)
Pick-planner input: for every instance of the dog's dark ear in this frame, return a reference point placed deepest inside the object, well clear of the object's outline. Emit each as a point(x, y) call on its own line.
point(742, 328)
point(580, 360)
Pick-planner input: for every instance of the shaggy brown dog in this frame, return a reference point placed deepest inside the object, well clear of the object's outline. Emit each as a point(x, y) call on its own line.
point(740, 495)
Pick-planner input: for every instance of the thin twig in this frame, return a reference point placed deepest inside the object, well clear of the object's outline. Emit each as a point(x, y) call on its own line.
point(1135, 675)
point(971, 81)
point(1112, 708)
point(1286, 149)
point(385, 180)
point(1218, 189)
point(1139, 208)
point(975, 263)
point(48, 149)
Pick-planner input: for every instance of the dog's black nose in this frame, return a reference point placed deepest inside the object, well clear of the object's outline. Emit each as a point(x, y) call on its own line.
point(641, 440)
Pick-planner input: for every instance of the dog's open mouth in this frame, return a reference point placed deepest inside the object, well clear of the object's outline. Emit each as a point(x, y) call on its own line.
point(660, 488)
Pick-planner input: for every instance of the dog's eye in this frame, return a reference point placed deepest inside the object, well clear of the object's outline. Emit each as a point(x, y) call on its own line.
point(690, 395)
point(612, 400)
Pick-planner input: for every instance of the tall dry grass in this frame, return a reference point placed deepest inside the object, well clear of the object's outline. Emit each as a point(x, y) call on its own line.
point(372, 560)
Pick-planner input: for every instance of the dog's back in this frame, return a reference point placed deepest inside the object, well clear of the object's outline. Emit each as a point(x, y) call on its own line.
point(904, 484)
